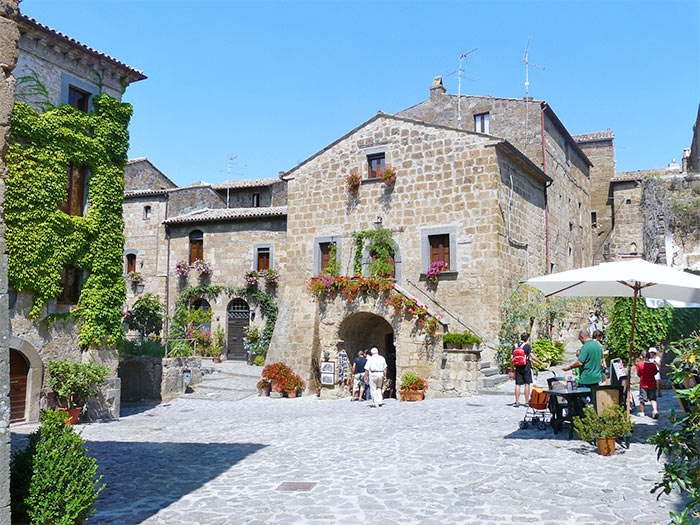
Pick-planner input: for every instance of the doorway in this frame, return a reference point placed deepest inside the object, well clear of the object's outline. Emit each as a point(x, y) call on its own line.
point(238, 313)
point(19, 370)
point(364, 330)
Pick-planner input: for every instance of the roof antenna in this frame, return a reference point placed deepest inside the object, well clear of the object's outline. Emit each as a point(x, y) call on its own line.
point(526, 61)
point(459, 86)
point(228, 177)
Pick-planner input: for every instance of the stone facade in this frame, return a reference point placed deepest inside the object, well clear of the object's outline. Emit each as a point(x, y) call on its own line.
point(524, 123)
point(9, 35)
point(627, 239)
point(60, 63)
point(600, 149)
point(449, 181)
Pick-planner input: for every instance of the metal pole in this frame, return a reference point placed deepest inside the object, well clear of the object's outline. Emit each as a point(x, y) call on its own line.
point(637, 288)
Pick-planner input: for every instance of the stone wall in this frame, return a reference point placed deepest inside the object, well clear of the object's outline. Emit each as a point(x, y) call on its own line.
point(158, 379)
point(9, 36)
point(627, 239)
point(141, 174)
point(191, 198)
point(447, 181)
point(602, 155)
point(694, 160)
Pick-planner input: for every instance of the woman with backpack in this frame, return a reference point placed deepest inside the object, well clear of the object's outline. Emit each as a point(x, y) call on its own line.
point(520, 358)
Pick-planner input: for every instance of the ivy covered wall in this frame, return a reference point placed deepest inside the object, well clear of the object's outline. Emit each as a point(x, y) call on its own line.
point(41, 239)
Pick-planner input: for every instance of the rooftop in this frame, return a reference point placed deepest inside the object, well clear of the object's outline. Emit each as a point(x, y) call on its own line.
point(224, 214)
point(629, 176)
point(245, 183)
point(594, 136)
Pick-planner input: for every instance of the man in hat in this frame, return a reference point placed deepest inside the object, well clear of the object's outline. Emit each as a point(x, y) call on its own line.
point(375, 371)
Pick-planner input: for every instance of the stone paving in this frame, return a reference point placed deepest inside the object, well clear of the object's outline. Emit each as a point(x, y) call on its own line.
point(221, 455)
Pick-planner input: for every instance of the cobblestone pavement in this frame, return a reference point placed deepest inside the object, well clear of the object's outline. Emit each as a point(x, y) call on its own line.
point(222, 458)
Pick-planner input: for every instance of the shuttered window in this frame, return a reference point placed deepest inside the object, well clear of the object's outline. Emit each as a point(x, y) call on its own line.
point(440, 249)
point(75, 204)
point(196, 246)
point(376, 165)
point(325, 248)
point(263, 259)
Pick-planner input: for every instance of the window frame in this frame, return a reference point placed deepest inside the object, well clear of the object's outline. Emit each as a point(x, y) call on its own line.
point(68, 81)
point(317, 251)
point(426, 233)
point(371, 157)
point(70, 293)
point(147, 213)
point(367, 259)
point(482, 123)
point(84, 104)
point(256, 251)
point(196, 242)
point(129, 266)
point(75, 207)
point(256, 200)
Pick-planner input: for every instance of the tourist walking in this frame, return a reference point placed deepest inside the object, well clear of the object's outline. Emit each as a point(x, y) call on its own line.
point(520, 358)
point(375, 371)
point(646, 370)
point(654, 355)
point(589, 361)
point(358, 376)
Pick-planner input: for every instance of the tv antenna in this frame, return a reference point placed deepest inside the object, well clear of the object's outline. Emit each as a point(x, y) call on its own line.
point(459, 85)
point(526, 61)
point(228, 177)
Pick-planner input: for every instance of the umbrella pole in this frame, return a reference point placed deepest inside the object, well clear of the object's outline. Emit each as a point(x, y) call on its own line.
point(629, 362)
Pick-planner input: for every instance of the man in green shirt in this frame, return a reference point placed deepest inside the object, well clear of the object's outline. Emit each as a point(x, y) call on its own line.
point(589, 361)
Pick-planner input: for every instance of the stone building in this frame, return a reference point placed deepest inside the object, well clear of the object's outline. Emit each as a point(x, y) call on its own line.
point(166, 224)
point(468, 199)
point(54, 69)
point(9, 35)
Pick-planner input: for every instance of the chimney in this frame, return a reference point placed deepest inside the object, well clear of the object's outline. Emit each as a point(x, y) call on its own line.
point(686, 159)
point(437, 88)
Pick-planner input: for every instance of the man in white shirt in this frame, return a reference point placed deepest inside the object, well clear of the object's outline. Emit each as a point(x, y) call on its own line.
point(375, 371)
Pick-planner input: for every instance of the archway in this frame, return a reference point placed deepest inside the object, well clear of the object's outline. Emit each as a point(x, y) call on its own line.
point(26, 377)
point(238, 314)
point(203, 304)
point(362, 331)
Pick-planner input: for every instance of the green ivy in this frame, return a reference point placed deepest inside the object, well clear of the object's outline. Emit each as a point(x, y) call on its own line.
point(379, 243)
point(41, 239)
point(212, 291)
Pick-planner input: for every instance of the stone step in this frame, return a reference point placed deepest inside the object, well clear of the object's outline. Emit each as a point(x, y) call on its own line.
point(484, 364)
point(491, 371)
point(494, 381)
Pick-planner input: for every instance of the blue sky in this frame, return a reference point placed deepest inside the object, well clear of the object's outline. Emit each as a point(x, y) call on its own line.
point(271, 83)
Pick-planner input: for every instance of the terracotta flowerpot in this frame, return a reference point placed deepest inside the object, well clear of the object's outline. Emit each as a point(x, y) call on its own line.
point(275, 386)
point(291, 393)
point(511, 373)
point(412, 395)
point(74, 414)
point(606, 446)
point(217, 360)
point(265, 392)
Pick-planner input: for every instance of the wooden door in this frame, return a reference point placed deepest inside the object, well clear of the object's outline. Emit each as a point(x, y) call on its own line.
point(238, 317)
point(19, 368)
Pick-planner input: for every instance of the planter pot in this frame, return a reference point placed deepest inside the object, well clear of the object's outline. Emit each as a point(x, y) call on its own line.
point(606, 446)
point(275, 386)
point(412, 395)
point(291, 394)
point(217, 360)
point(265, 392)
point(453, 346)
point(511, 373)
point(74, 414)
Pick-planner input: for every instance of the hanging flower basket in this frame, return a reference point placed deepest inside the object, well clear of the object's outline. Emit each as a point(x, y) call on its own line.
point(352, 181)
point(182, 268)
point(433, 273)
point(388, 176)
point(271, 277)
point(251, 278)
point(203, 267)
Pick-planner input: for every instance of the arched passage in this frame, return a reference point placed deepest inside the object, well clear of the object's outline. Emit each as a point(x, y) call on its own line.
point(238, 313)
point(26, 376)
point(362, 331)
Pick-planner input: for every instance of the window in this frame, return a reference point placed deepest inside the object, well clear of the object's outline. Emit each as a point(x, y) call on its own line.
point(628, 201)
point(594, 219)
point(256, 200)
point(146, 213)
point(196, 246)
point(440, 249)
point(325, 249)
point(131, 263)
point(78, 98)
point(70, 286)
point(375, 164)
point(75, 204)
point(571, 226)
point(392, 274)
point(481, 123)
point(263, 259)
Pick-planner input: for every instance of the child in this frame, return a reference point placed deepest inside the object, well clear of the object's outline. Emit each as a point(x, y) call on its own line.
point(646, 370)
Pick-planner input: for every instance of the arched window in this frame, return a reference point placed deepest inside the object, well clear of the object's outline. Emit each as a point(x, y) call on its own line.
point(146, 213)
point(201, 304)
point(131, 263)
point(196, 246)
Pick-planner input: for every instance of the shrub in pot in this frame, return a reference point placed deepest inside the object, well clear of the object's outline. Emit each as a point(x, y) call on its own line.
point(72, 382)
point(457, 340)
point(612, 423)
point(53, 480)
point(412, 387)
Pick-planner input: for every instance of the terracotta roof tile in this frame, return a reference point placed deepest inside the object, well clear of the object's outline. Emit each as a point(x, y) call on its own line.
point(245, 183)
point(223, 214)
point(594, 136)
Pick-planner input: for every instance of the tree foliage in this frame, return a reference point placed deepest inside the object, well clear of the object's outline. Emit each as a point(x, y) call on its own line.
point(146, 316)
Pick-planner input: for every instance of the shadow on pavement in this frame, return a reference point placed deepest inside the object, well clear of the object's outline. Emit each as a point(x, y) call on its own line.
point(142, 478)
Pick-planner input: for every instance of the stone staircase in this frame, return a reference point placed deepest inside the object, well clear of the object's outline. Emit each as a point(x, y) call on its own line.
point(491, 377)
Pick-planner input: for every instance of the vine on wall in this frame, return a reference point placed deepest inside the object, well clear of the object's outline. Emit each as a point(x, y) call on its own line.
point(380, 246)
point(41, 239)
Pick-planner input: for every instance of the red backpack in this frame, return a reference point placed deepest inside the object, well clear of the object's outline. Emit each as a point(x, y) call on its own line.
point(519, 357)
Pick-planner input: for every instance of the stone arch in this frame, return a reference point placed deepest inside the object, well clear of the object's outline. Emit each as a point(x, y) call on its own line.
point(35, 377)
point(363, 330)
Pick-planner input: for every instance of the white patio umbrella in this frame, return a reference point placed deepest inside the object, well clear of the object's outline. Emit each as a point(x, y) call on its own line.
point(632, 278)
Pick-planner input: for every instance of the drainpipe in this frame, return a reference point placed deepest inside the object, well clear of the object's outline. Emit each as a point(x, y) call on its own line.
point(546, 202)
point(167, 271)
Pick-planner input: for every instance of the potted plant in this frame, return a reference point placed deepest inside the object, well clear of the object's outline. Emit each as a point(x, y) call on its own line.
point(182, 268)
point(611, 424)
point(412, 387)
point(203, 267)
point(72, 384)
point(278, 374)
point(388, 176)
point(352, 181)
point(457, 340)
point(251, 278)
point(263, 387)
point(270, 276)
point(433, 273)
